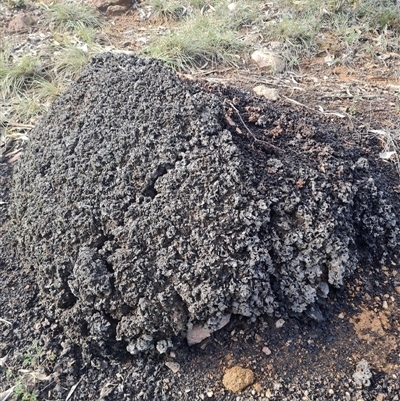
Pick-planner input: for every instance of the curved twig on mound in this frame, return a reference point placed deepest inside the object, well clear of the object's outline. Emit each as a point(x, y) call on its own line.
point(144, 212)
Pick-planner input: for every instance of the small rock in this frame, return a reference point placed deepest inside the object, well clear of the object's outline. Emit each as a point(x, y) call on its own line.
point(266, 351)
point(362, 374)
point(162, 346)
point(22, 23)
point(258, 338)
point(210, 394)
point(274, 45)
point(117, 10)
point(174, 366)
point(257, 387)
point(385, 305)
point(104, 5)
point(341, 315)
point(232, 6)
point(268, 93)
point(237, 379)
point(380, 397)
point(197, 334)
point(329, 59)
point(279, 323)
point(323, 288)
point(268, 60)
point(397, 290)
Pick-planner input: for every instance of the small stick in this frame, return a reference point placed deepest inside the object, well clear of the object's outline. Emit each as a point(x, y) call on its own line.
point(73, 388)
point(18, 125)
point(250, 132)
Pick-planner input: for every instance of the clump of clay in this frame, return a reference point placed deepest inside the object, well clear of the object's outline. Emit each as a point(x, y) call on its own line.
point(237, 379)
point(144, 213)
point(362, 375)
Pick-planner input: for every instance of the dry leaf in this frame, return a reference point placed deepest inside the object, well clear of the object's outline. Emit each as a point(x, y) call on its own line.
point(386, 155)
point(3, 361)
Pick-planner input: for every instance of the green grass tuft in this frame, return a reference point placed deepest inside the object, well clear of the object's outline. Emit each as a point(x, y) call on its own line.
point(168, 10)
point(198, 43)
point(70, 61)
point(17, 76)
point(72, 16)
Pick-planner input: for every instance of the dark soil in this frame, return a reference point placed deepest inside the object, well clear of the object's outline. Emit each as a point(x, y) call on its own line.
point(89, 242)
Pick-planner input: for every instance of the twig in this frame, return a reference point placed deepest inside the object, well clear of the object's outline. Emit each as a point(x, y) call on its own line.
point(18, 125)
point(297, 103)
point(250, 132)
point(201, 73)
point(5, 395)
point(4, 320)
point(320, 110)
point(73, 388)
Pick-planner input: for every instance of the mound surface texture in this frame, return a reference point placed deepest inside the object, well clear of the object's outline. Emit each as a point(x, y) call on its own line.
point(143, 214)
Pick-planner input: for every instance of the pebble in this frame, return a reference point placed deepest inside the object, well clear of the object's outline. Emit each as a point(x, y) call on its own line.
point(385, 305)
point(210, 394)
point(197, 334)
point(257, 387)
point(268, 60)
point(268, 93)
point(266, 351)
point(279, 323)
point(174, 366)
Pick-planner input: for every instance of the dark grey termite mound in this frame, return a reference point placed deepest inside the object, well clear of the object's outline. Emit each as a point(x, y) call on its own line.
point(142, 214)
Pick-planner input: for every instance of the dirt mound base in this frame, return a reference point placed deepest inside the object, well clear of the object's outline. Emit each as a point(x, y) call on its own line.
point(144, 208)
